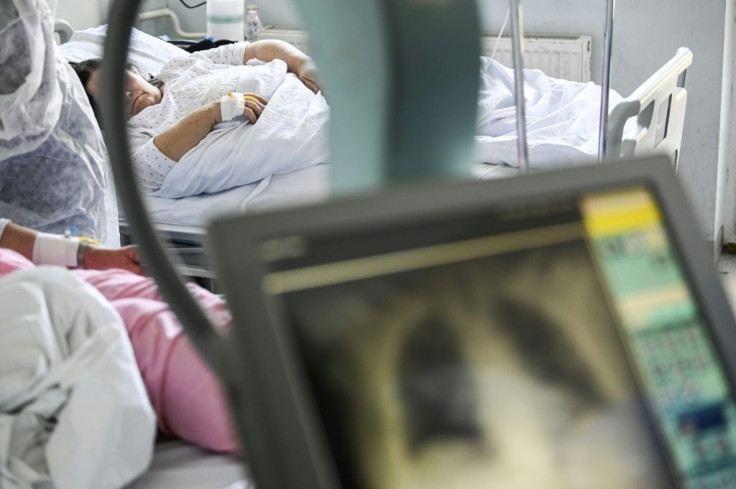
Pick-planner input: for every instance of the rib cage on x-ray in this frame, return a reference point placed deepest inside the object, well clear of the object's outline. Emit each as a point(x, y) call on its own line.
point(489, 370)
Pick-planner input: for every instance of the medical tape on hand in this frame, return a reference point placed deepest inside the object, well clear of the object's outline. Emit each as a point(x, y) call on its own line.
point(52, 249)
point(232, 105)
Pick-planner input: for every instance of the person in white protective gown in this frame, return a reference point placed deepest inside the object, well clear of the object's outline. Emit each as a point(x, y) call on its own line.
point(54, 171)
point(73, 408)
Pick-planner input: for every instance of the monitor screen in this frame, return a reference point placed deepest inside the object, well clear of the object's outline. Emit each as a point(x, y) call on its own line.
point(509, 347)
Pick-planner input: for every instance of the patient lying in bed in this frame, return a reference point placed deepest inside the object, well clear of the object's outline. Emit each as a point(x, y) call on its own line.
point(186, 119)
point(184, 393)
point(73, 409)
point(184, 145)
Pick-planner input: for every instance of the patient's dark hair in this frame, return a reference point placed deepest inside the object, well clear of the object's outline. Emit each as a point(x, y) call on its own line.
point(84, 70)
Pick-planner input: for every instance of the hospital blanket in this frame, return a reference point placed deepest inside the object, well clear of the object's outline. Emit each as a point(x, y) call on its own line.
point(183, 391)
point(562, 130)
point(290, 134)
point(73, 408)
point(562, 118)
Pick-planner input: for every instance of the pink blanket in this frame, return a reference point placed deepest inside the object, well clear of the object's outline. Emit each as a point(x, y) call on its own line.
point(183, 391)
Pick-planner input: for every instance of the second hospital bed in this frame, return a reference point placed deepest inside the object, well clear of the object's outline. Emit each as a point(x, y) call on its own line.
point(649, 120)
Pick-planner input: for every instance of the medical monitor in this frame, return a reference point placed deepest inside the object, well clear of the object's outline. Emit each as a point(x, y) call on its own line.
point(563, 330)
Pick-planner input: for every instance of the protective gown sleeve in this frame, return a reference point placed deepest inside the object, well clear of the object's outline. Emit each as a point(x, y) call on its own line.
point(30, 98)
point(54, 169)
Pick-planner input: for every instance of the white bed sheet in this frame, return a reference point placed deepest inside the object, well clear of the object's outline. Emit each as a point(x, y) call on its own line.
point(295, 188)
point(182, 466)
point(299, 187)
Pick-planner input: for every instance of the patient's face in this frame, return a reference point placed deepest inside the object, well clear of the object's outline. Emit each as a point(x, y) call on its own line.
point(139, 94)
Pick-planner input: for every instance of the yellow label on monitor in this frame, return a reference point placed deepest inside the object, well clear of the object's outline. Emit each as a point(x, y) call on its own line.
point(619, 212)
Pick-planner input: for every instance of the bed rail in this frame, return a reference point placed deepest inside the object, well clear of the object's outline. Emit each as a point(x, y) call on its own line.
point(658, 106)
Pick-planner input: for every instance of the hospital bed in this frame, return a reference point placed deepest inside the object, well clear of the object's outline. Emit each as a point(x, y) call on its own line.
point(179, 465)
point(650, 120)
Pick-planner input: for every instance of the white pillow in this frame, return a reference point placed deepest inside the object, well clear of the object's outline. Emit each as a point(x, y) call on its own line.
point(147, 52)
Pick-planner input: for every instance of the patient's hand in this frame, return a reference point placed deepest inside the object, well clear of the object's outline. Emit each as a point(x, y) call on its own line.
point(103, 258)
point(308, 74)
point(254, 105)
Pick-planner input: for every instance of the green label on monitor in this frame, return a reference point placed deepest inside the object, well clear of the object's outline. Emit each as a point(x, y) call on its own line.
point(674, 355)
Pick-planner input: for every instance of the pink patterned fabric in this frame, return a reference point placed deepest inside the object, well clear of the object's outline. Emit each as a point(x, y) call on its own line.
point(185, 394)
point(11, 261)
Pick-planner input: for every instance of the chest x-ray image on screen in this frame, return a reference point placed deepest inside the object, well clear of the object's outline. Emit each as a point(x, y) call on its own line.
point(492, 370)
point(480, 372)
point(558, 339)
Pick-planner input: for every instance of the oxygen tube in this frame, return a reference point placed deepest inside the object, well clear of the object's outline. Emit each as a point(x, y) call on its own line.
point(161, 265)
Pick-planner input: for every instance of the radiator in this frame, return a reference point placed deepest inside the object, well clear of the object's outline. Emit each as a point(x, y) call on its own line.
point(559, 56)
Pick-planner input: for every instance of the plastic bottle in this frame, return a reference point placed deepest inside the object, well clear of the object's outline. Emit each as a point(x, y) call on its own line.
point(253, 25)
point(225, 19)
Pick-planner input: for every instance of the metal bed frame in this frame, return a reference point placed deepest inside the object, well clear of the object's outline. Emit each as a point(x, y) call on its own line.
point(517, 36)
point(657, 107)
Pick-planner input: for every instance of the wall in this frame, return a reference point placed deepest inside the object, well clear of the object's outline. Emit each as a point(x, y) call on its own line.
point(725, 213)
point(281, 12)
point(646, 34)
point(82, 14)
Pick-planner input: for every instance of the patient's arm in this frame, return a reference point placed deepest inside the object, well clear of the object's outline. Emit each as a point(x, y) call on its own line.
point(18, 238)
point(125, 258)
point(188, 132)
point(177, 140)
point(297, 61)
point(22, 240)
